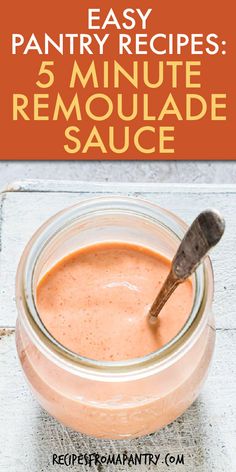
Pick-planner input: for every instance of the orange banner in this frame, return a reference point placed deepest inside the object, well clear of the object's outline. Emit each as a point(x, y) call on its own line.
point(106, 80)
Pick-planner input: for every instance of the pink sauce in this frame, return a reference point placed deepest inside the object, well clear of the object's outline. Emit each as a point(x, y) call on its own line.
point(95, 301)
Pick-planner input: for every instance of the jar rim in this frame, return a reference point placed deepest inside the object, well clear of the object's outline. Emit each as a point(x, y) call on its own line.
point(55, 225)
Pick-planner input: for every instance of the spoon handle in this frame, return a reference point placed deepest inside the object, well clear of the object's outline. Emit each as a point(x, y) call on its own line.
point(167, 289)
point(204, 233)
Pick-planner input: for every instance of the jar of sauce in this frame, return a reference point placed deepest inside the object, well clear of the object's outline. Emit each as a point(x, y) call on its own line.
point(84, 285)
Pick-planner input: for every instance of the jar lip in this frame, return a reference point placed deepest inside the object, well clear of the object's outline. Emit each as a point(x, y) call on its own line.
point(57, 224)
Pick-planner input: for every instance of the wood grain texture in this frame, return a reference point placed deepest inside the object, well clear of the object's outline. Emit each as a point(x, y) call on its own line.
point(120, 171)
point(25, 206)
point(206, 433)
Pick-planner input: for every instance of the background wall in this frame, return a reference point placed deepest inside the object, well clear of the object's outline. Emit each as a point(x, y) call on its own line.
point(198, 172)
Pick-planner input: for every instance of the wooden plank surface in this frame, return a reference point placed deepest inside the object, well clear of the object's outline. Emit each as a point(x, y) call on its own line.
point(24, 207)
point(206, 433)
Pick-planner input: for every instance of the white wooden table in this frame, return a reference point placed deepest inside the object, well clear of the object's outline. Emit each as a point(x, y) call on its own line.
point(206, 433)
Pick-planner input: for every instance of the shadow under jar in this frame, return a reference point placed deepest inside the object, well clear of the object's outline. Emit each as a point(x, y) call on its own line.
point(116, 399)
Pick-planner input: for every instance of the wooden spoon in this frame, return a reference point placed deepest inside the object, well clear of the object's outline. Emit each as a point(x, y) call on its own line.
point(204, 233)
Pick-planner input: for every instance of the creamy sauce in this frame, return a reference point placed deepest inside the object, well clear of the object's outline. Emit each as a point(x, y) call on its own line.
point(95, 301)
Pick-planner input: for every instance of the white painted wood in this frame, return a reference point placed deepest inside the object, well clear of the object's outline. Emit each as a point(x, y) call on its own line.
point(25, 206)
point(113, 187)
point(206, 433)
point(121, 171)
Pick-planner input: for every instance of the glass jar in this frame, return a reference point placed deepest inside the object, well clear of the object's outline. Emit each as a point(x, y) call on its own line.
point(112, 399)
